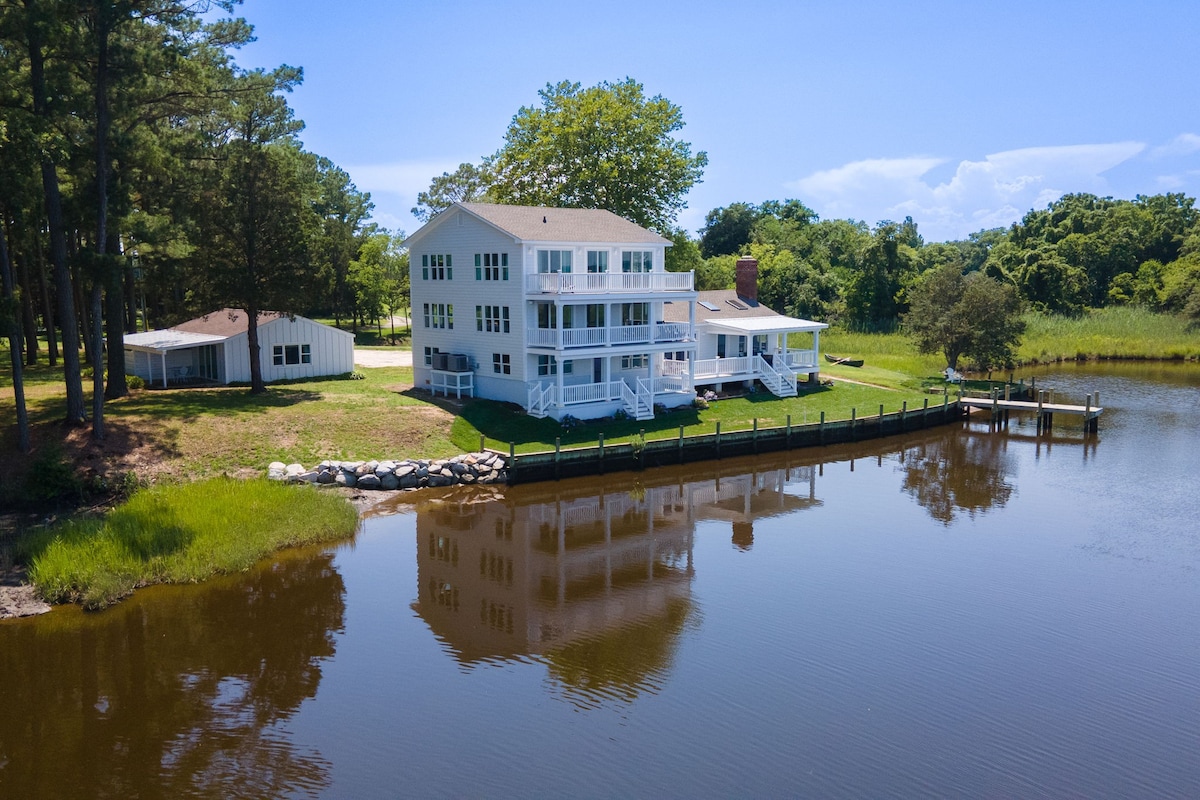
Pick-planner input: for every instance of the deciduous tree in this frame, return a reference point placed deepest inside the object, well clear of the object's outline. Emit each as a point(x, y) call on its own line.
point(608, 146)
point(964, 315)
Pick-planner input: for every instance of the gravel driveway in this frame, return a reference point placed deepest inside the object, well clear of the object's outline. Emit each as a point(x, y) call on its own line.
point(383, 358)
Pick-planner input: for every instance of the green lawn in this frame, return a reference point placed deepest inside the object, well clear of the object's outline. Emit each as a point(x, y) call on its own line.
point(504, 423)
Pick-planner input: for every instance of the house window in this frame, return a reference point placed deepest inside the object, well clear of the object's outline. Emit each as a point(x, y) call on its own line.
point(438, 315)
point(502, 363)
point(546, 317)
point(547, 365)
point(635, 313)
point(493, 319)
point(491, 266)
point(429, 351)
point(637, 261)
point(287, 354)
point(597, 261)
point(437, 267)
point(634, 362)
point(595, 315)
point(554, 260)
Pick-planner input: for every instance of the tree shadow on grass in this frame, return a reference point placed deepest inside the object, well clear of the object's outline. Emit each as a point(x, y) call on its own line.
point(191, 404)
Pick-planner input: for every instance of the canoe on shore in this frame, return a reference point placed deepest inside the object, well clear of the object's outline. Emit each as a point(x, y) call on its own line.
point(849, 362)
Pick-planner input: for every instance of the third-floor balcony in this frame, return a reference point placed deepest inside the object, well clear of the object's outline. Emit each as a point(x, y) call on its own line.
point(607, 282)
point(564, 338)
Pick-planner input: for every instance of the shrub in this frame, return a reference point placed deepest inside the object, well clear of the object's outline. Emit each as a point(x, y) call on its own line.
point(133, 382)
point(700, 404)
point(569, 423)
point(620, 415)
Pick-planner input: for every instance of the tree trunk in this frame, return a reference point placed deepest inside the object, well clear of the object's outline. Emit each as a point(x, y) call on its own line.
point(97, 337)
point(54, 217)
point(47, 307)
point(131, 310)
point(13, 330)
point(256, 379)
point(28, 314)
point(109, 275)
point(20, 273)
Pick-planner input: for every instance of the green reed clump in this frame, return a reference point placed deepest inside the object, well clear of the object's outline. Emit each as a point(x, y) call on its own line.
point(1119, 332)
point(181, 533)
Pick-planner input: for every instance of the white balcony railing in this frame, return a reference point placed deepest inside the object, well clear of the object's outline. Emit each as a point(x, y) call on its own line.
point(801, 359)
point(671, 332)
point(584, 337)
point(708, 368)
point(617, 334)
point(607, 282)
point(630, 334)
point(671, 383)
point(677, 369)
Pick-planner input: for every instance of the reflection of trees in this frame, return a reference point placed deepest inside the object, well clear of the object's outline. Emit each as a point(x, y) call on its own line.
point(961, 471)
point(621, 662)
point(175, 693)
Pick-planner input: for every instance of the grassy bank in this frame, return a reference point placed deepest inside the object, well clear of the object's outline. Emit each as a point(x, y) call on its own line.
point(185, 434)
point(1104, 334)
point(179, 534)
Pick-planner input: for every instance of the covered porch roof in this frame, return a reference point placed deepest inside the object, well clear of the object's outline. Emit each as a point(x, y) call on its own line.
point(164, 341)
point(751, 326)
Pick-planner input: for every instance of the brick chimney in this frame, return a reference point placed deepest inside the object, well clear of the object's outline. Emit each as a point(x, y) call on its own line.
point(747, 279)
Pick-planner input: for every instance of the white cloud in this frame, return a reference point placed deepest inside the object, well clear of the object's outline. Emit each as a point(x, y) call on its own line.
point(1182, 145)
point(981, 194)
point(394, 187)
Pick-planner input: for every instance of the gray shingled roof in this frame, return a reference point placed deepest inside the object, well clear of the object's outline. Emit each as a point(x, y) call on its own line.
point(541, 224)
point(678, 312)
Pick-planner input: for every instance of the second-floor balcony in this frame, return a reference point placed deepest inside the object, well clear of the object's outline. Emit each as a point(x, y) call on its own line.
point(608, 282)
point(566, 338)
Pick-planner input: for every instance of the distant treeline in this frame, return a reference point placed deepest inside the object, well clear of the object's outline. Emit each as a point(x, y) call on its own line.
point(1080, 252)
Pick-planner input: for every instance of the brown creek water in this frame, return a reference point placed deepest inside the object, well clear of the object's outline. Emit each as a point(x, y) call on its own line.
point(962, 612)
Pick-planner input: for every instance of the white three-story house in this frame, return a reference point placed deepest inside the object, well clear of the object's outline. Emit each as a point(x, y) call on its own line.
point(559, 310)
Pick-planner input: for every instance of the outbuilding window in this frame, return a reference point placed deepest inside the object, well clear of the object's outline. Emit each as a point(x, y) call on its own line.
point(285, 354)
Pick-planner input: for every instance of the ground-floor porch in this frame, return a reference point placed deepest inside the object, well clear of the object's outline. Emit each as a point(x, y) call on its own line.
point(603, 385)
point(167, 358)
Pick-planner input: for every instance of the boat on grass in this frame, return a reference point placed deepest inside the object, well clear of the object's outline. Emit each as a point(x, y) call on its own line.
point(849, 362)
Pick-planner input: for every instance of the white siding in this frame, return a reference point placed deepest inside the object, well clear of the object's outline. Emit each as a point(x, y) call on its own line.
point(462, 242)
point(462, 236)
point(332, 350)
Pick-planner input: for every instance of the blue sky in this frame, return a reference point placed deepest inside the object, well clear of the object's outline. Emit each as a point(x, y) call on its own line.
point(962, 114)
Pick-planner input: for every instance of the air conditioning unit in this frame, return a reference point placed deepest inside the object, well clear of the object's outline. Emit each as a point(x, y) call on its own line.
point(457, 362)
point(439, 360)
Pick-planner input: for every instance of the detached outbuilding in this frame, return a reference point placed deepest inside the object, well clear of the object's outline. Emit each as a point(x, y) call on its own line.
point(213, 349)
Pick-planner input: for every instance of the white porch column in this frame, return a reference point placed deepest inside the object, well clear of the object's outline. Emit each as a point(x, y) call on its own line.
point(558, 321)
point(558, 375)
point(164, 366)
point(816, 348)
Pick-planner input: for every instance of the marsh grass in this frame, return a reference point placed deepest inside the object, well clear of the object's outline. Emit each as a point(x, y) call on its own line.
point(181, 533)
point(1120, 332)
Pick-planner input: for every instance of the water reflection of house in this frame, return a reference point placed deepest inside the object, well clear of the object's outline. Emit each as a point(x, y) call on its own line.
point(536, 571)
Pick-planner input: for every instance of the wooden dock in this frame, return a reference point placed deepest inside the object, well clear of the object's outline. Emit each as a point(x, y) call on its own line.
point(1043, 407)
